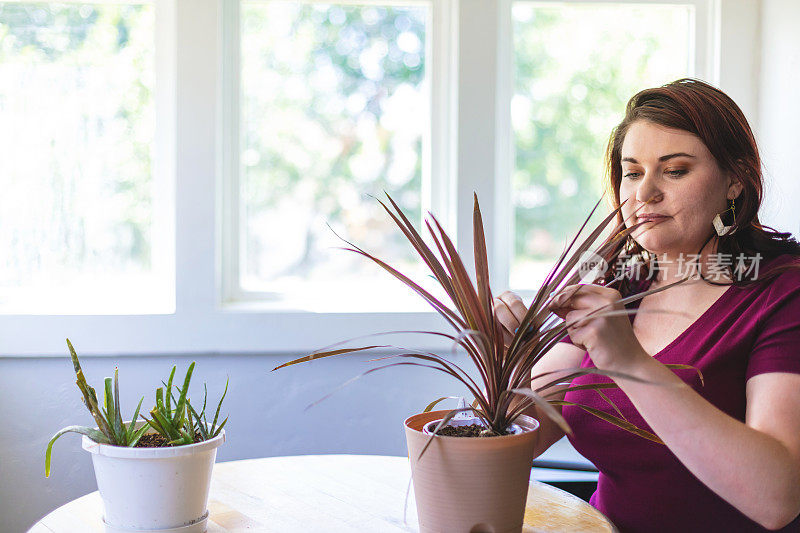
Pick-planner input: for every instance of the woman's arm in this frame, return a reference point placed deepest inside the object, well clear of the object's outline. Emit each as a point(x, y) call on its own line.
point(562, 355)
point(755, 465)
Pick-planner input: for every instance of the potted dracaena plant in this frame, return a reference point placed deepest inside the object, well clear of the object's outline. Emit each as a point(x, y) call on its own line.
point(480, 484)
point(153, 474)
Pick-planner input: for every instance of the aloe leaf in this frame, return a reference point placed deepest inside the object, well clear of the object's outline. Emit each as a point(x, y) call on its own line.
point(219, 429)
point(153, 423)
point(205, 397)
point(184, 392)
point(90, 400)
point(180, 441)
point(132, 425)
point(187, 438)
point(168, 429)
point(119, 427)
point(200, 425)
point(137, 435)
point(169, 387)
point(74, 356)
point(108, 401)
point(160, 401)
point(189, 422)
point(219, 405)
point(82, 384)
point(92, 433)
point(174, 401)
point(76, 364)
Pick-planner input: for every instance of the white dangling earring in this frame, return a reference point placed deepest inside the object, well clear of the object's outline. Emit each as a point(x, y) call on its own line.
point(719, 226)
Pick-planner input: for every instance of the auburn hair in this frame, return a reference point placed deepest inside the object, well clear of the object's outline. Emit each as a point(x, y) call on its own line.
point(699, 108)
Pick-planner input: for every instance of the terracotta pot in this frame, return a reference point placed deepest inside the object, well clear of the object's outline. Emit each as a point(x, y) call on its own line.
point(470, 484)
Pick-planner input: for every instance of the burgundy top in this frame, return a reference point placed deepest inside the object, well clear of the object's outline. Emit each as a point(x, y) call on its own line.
point(643, 487)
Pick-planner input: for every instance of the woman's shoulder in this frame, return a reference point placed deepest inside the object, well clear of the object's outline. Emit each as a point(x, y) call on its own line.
point(773, 283)
point(777, 309)
point(777, 274)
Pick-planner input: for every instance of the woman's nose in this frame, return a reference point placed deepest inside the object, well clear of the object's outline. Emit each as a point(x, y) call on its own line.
point(648, 191)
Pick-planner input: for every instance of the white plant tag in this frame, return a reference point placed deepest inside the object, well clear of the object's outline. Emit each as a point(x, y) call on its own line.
point(465, 415)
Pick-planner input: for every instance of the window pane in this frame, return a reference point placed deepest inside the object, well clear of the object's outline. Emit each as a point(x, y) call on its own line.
point(575, 69)
point(76, 104)
point(335, 107)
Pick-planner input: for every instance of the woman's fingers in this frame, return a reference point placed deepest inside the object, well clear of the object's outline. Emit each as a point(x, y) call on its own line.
point(582, 297)
point(514, 304)
point(509, 310)
point(505, 316)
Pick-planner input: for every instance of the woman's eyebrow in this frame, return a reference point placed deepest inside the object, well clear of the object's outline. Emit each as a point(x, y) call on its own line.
point(676, 154)
point(662, 158)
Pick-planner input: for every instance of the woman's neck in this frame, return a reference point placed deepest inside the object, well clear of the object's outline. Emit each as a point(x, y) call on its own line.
point(673, 266)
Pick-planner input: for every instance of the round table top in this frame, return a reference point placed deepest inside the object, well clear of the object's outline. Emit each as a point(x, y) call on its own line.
point(327, 493)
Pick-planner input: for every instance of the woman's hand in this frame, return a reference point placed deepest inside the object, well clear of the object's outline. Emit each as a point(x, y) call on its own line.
point(609, 340)
point(510, 310)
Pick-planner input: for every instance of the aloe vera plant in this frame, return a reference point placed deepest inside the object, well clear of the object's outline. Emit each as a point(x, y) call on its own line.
point(110, 427)
point(502, 390)
point(183, 424)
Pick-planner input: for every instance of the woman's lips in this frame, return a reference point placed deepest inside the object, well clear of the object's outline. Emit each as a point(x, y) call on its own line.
point(651, 217)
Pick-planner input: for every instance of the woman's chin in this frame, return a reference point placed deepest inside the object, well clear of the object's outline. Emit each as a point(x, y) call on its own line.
point(657, 246)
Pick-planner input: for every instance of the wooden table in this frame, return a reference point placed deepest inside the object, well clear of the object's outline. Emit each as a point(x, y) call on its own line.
point(326, 493)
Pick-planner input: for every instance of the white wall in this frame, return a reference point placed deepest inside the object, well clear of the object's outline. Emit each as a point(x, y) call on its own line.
point(779, 111)
point(739, 55)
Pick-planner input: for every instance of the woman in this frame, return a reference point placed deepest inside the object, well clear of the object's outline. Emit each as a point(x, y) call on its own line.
point(683, 155)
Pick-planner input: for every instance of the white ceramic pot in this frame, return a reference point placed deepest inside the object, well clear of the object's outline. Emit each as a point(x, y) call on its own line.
point(154, 489)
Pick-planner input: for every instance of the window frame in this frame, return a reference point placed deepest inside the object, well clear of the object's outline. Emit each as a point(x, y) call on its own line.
point(471, 59)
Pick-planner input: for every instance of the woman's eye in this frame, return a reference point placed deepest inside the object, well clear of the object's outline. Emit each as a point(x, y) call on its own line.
point(631, 175)
point(676, 173)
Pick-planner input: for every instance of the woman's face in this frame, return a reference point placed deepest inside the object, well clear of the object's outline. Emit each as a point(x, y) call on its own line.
point(686, 188)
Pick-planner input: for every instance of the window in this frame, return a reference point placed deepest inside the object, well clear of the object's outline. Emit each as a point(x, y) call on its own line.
point(77, 213)
point(575, 67)
point(170, 174)
point(334, 108)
